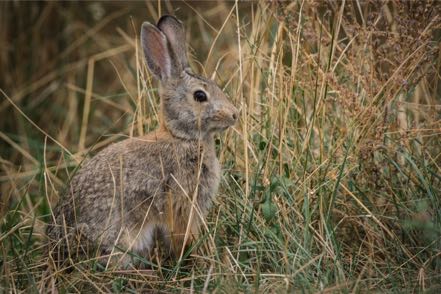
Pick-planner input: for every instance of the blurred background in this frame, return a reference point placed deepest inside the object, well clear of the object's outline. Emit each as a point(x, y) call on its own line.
point(331, 179)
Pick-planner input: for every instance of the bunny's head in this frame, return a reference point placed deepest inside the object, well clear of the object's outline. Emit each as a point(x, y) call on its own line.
point(193, 107)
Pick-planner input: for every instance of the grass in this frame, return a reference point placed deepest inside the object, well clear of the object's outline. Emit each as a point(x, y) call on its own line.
point(331, 179)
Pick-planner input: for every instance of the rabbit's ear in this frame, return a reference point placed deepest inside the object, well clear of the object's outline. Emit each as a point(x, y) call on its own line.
point(156, 52)
point(175, 32)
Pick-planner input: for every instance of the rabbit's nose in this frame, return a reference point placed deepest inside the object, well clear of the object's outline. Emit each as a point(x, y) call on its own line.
point(235, 115)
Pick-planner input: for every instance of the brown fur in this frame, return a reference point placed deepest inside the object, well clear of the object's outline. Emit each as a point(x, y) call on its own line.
point(147, 189)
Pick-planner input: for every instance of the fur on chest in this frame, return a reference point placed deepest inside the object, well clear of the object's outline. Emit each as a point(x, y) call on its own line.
point(197, 169)
point(188, 192)
point(197, 177)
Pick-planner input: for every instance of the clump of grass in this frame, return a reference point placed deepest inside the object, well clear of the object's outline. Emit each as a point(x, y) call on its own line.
point(331, 179)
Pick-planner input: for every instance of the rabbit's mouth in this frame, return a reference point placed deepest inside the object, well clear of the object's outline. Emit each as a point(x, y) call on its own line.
point(219, 129)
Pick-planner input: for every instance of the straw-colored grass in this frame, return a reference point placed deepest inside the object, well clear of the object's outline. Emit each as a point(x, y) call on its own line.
point(331, 179)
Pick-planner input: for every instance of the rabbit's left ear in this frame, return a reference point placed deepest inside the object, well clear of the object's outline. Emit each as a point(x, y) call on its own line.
point(174, 30)
point(156, 52)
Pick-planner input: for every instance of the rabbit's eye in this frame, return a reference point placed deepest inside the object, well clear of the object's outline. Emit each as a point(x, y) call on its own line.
point(200, 96)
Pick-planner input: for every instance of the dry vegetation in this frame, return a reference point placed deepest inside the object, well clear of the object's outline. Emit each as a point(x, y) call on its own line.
point(332, 178)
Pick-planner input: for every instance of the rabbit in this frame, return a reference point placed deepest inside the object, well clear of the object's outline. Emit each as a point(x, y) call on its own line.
point(157, 188)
